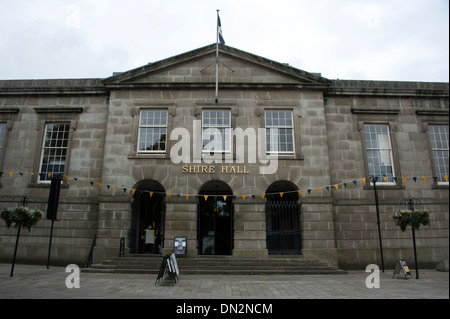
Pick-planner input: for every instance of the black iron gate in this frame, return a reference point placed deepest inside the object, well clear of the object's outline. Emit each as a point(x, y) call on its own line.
point(283, 228)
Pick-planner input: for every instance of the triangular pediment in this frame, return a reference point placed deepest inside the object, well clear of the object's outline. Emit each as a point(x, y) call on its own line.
point(199, 66)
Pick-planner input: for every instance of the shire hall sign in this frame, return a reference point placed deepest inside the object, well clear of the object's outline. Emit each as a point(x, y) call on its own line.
point(277, 161)
point(197, 169)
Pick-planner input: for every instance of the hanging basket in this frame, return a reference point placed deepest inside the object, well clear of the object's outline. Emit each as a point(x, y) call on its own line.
point(406, 217)
point(21, 216)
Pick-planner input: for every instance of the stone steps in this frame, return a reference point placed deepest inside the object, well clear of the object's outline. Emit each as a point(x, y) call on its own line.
point(216, 265)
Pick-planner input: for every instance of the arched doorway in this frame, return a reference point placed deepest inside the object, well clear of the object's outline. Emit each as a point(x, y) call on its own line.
point(283, 219)
point(215, 219)
point(148, 206)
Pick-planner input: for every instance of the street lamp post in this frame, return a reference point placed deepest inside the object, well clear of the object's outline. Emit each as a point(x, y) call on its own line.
point(374, 180)
point(411, 202)
point(24, 203)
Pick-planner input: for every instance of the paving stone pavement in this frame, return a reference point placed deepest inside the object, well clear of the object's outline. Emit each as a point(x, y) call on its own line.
point(38, 282)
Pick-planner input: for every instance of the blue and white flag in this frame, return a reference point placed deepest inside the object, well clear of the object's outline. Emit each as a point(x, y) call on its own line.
point(219, 31)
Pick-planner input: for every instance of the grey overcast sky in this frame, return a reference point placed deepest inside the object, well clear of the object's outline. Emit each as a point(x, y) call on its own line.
point(404, 40)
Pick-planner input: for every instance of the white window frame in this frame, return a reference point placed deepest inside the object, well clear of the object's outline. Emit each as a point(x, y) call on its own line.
point(227, 139)
point(152, 126)
point(46, 179)
point(442, 148)
point(386, 147)
point(269, 128)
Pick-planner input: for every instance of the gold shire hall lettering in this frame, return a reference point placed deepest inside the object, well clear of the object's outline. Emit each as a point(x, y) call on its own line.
point(205, 169)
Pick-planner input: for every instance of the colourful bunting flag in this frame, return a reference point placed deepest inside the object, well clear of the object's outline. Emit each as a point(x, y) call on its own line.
point(263, 196)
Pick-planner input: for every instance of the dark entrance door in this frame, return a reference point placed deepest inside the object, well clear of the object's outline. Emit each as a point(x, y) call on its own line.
point(283, 228)
point(148, 218)
point(151, 223)
point(215, 220)
point(283, 219)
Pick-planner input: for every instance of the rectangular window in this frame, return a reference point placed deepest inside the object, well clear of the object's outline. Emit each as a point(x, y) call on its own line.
point(379, 152)
point(152, 131)
point(54, 150)
point(216, 131)
point(279, 132)
point(439, 147)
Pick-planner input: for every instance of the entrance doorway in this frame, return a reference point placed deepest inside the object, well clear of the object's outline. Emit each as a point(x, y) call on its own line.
point(215, 219)
point(283, 219)
point(148, 218)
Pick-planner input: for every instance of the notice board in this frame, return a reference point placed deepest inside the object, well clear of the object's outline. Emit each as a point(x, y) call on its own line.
point(180, 246)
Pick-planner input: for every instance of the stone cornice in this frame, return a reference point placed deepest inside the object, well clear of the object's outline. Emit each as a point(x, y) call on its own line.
point(52, 87)
point(389, 88)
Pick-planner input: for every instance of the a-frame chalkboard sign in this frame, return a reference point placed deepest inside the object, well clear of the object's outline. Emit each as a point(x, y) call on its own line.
point(401, 266)
point(169, 268)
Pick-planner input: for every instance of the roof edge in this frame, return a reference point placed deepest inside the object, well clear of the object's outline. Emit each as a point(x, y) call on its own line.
point(142, 71)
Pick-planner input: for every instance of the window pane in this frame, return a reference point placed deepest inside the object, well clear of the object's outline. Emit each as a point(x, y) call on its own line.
point(54, 150)
point(216, 139)
point(152, 139)
point(152, 131)
point(379, 152)
point(439, 136)
point(153, 118)
point(279, 132)
point(216, 132)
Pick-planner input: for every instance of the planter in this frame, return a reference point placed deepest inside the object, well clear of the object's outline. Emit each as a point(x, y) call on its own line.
point(21, 216)
point(406, 217)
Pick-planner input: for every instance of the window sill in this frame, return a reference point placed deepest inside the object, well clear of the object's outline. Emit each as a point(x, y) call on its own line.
point(384, 187)
point(46, 185)
point(149, 156)
point(440, 186)
point(289, 157)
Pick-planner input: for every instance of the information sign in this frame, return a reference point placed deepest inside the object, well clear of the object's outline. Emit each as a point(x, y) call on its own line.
point(180, 246)
point(403, 267)
point(169, 268)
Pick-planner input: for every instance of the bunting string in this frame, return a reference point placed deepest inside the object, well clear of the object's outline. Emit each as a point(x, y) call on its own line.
point(303, 191)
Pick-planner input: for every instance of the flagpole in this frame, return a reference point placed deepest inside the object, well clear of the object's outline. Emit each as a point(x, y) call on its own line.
point(217, 58)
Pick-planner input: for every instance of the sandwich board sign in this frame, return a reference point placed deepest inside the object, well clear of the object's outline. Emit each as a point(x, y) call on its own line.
point(403, 267)
point(169, 269)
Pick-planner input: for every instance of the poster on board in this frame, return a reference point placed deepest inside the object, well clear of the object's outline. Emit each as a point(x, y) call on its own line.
point(149, 236)
point(180, 246)
point(403, 267)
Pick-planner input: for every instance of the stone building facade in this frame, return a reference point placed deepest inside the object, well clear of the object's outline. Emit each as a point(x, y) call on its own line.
point(293, 174)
